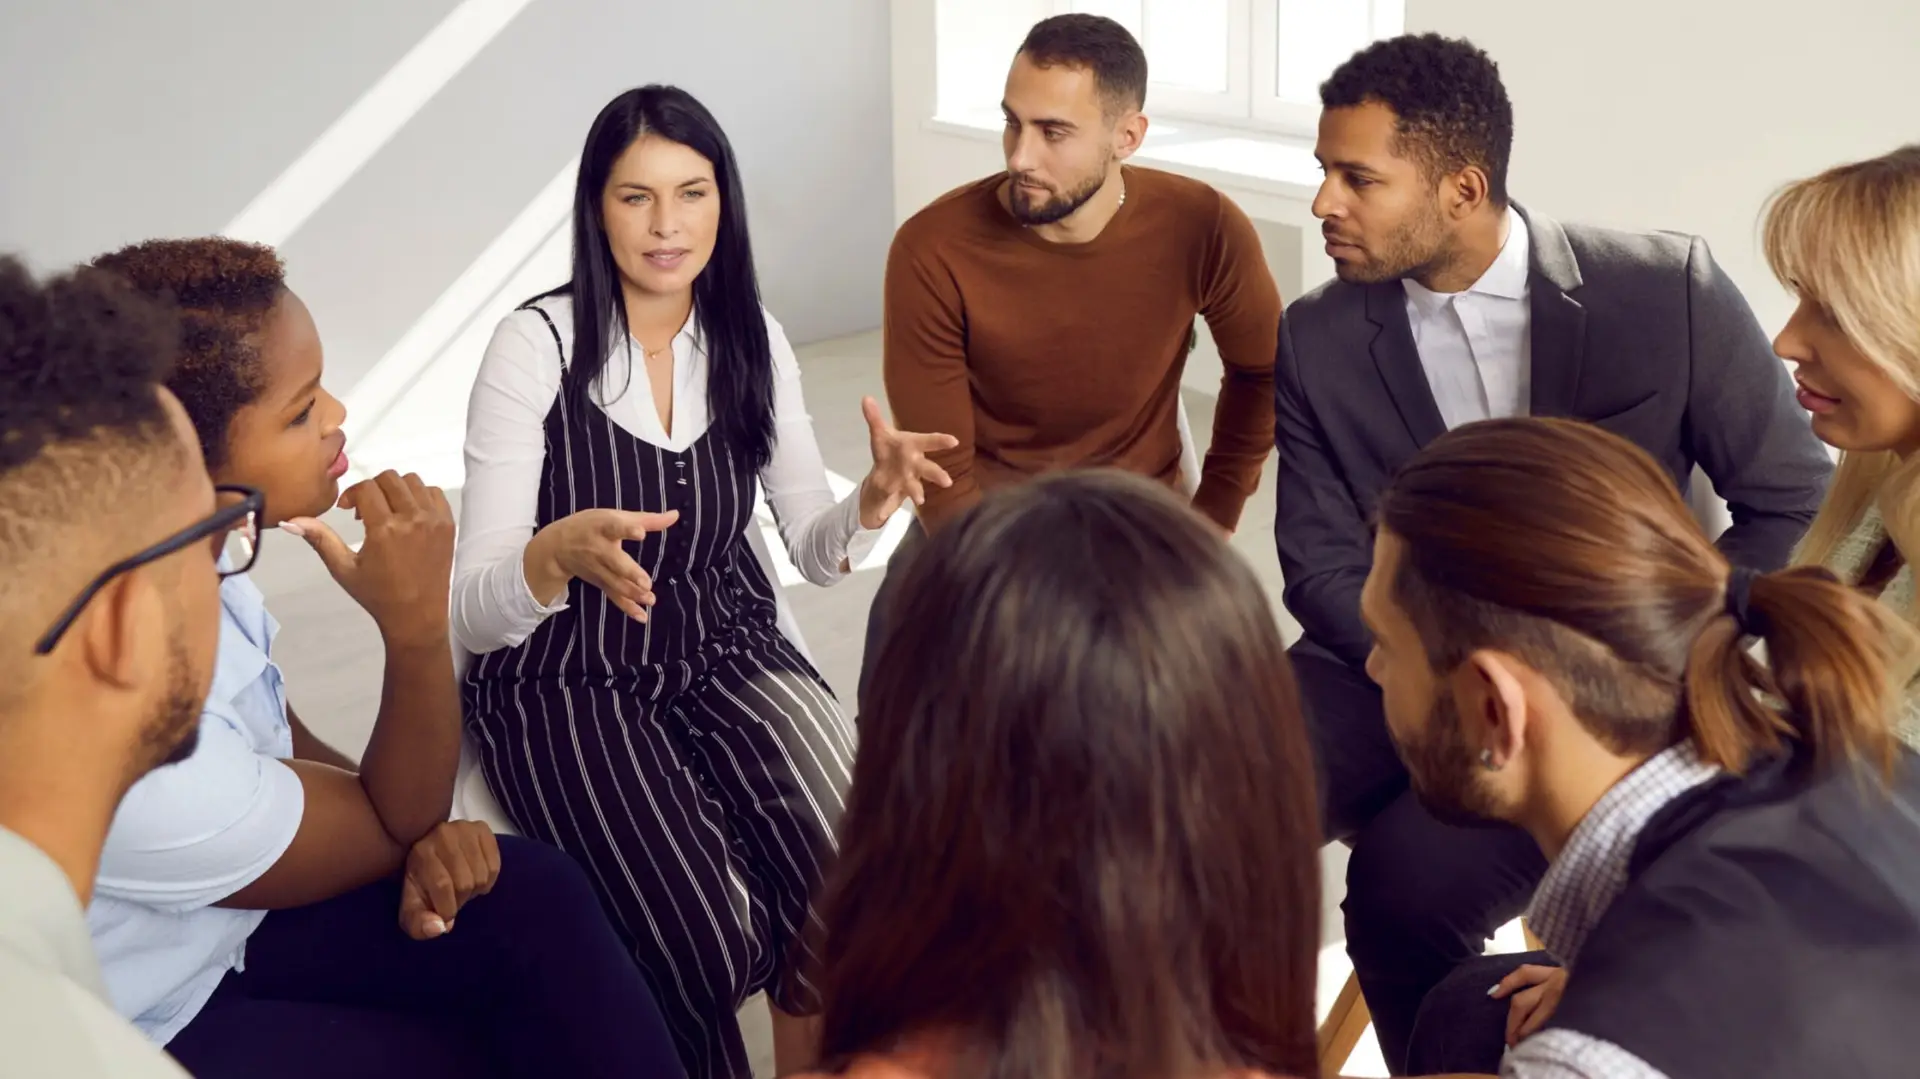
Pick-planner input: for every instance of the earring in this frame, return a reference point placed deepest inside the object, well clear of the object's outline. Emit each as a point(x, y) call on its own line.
point(1486, 761)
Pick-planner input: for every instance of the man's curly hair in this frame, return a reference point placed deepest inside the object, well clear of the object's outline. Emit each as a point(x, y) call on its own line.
point(224, 290)
point(1450, 107)
point(84, 436)
point(81, 360)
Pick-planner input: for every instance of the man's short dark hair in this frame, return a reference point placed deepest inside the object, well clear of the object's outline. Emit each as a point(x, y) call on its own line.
point(1098, 44)
point(81, 359)
point(225, 289)
point(1450, 107)
point(83, 432)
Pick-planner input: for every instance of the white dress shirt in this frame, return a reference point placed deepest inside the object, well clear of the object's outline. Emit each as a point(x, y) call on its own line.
point(1476, 346)
point(191, 834)
point(506, 448)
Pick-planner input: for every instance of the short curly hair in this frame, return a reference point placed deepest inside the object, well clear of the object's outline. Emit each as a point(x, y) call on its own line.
point(224, 290)
point(1450, 107)
point(84, 435)
point(1097, 44)
point(82, 358)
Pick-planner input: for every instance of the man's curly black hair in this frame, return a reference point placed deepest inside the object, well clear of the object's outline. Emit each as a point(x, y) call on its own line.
point(224, 290)
point(1450, 107)
point(84, 436)
point(81, 359)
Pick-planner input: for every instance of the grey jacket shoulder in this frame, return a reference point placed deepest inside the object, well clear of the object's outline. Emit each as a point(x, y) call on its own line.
point(1601, 256)
point(1330, 303)
point(1602, 252)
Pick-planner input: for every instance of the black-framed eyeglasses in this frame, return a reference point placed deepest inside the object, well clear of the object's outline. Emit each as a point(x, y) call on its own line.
point(233, 530)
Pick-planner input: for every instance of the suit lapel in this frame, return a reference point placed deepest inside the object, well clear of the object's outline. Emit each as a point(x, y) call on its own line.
point(1398, 359)
point(1559, 323)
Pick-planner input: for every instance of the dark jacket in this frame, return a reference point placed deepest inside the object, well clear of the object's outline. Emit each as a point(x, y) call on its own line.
point(1770, 926)
point(1641, 334)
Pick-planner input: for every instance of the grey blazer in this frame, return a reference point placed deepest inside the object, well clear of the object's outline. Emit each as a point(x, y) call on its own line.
point(1639, 333)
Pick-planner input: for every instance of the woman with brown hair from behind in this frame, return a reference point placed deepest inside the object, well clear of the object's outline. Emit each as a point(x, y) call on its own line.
point(1082, 839)
point(1734, 887)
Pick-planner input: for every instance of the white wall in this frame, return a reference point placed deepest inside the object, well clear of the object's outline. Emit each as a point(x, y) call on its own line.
point(1687, 114)
point(130, 120)
point(1676, 114)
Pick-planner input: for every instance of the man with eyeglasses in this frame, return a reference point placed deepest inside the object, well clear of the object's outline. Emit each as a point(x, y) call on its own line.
point(109, 535)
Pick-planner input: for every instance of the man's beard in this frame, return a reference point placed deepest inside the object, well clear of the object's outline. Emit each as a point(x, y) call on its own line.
point(1409, 251)
point(173, 732)
point(1055, 207)
point(1443, 772)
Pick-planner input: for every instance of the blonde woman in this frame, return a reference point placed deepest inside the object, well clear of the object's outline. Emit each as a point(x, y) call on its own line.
point(1847, 242)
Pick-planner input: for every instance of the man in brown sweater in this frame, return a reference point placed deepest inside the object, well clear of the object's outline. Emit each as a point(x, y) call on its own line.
point(1043, 316)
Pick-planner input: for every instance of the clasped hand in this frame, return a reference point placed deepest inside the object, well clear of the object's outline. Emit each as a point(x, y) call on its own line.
point(452, 864)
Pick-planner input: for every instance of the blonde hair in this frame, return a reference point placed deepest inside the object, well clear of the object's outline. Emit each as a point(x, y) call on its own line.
point(1849, 241)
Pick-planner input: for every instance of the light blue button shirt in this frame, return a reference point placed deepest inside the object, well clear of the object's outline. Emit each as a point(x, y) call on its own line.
point(189, 835)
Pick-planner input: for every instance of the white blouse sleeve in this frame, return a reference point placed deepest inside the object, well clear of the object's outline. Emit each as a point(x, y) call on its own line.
point(821, 534)
point(506, 448)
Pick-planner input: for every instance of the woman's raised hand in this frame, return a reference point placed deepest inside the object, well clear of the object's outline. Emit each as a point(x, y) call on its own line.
point(901, 468)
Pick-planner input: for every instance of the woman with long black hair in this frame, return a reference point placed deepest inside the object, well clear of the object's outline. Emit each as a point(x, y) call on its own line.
point(632, 700)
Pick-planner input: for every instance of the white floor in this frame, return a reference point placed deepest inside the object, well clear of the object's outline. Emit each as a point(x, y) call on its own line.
point(332, 659)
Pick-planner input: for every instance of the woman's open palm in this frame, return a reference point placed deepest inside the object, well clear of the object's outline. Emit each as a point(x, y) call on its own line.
point(901, 468)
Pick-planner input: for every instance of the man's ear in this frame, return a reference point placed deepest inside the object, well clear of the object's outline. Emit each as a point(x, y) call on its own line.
point(121, 633)
point(1491, 691)
point(1128, 134)
point(1464, 192)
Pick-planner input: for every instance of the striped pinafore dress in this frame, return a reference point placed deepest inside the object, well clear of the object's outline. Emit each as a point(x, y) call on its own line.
point(694, 763)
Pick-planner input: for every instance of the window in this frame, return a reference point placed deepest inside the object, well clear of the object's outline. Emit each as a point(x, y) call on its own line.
point(1252, 63)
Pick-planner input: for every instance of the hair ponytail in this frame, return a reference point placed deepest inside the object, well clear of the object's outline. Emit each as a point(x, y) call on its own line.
point(1837, 664)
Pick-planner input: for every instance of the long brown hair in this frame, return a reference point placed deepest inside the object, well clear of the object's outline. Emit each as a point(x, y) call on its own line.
point(1082, 839)
point(1570, 548)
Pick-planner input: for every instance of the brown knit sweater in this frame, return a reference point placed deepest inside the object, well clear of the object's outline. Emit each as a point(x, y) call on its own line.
point(1040, 356)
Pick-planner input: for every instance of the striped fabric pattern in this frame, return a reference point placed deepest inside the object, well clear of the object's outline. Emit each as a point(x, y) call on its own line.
point(695, 763)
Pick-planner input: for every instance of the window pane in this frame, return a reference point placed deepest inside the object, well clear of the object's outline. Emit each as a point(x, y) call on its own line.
point(1316, 36)
point(1124, 12)
point(974, 43)
point(1187, 44)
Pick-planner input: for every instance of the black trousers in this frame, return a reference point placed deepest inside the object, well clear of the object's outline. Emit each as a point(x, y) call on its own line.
point(532, 981)
point(1462, 1030)
point(1422, 896)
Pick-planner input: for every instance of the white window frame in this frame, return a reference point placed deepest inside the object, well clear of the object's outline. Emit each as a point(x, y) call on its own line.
point(1249, 101)
point(1229, 105)
point(1266, 108)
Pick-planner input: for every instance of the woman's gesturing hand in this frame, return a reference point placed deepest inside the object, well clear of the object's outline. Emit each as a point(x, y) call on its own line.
point(589, 545)
point(901, 470)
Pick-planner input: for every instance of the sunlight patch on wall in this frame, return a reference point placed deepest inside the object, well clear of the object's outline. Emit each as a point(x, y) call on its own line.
point(369, 123)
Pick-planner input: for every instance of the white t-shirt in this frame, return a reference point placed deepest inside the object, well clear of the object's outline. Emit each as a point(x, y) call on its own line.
point(54, 1018)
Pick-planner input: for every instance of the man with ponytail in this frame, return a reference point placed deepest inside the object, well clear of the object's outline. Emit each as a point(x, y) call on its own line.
point(1734, 886)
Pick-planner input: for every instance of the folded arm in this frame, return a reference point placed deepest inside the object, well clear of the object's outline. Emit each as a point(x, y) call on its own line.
point(233, 827)
point(1325, 543)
